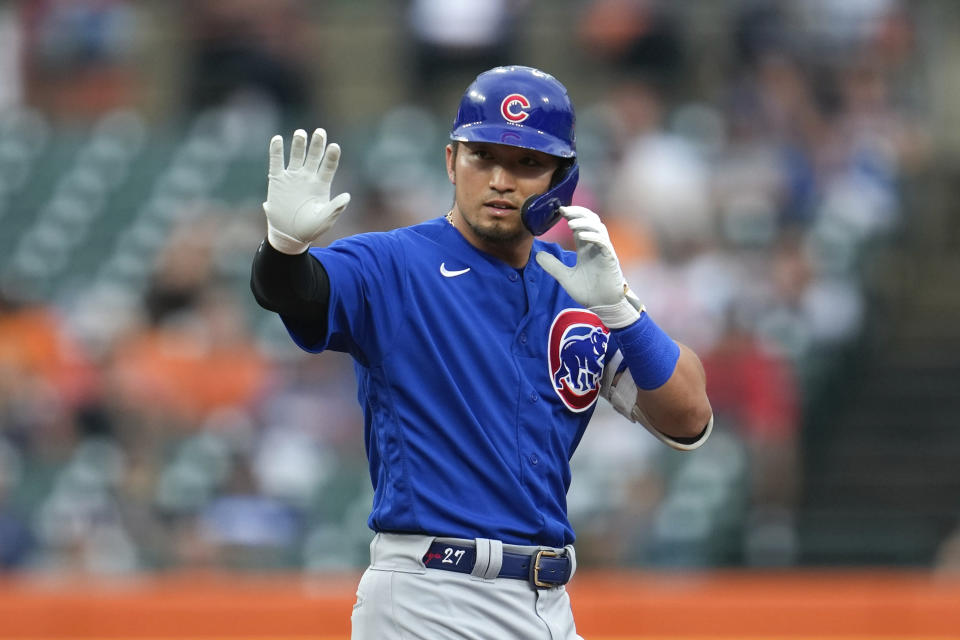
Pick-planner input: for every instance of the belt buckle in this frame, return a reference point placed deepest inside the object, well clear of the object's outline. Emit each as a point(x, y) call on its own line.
point(535, 573)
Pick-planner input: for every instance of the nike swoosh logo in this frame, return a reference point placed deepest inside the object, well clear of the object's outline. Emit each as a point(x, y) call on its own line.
point(451, 274)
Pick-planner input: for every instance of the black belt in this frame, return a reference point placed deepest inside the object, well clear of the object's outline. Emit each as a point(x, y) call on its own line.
point(543, 568)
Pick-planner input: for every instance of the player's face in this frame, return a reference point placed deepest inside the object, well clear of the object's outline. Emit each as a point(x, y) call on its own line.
point(491, 183)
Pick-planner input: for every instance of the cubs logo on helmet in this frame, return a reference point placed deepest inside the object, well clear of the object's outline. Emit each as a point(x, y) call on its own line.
point(514, 107)
point(577, 350)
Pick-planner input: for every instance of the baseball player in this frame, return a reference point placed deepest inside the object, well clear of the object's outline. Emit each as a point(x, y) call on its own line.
point(480, 352)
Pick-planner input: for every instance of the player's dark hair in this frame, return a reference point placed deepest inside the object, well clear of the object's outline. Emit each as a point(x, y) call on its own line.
point(558, 174)
point(561, 171)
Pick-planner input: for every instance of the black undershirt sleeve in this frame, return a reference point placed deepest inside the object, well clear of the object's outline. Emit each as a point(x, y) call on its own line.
point(296, 287)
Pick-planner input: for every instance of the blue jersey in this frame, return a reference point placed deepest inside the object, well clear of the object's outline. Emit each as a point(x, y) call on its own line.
point(476, 380)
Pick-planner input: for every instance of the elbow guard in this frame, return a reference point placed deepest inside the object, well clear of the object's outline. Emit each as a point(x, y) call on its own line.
point(622, 396)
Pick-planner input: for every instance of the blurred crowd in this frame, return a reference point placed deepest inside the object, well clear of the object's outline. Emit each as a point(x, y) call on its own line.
point(172, 424)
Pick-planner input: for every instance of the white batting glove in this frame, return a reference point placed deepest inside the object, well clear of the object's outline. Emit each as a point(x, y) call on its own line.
point(298, 207)
point(596, 281)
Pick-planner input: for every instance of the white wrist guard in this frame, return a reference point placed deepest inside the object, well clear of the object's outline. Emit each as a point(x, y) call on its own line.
point(622, 314)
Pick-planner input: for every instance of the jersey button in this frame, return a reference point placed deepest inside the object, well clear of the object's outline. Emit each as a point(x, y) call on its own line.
point(513, 277)
point(523, 338)
point(534, 396)
point(534, 460)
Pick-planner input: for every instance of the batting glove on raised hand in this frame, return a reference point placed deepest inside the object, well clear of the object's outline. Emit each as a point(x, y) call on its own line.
point(298, 207)
point(596, 280)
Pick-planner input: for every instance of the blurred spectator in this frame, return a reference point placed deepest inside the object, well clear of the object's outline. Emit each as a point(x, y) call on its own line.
point(947, 558)
point(453, 40)
point(637, 39)
point(768, 166)
point(661, 186)
point(837, 31)
point(805, 309)
point(753, 389)
point(36, 350)
point(80, 521)
point(760, 28)
point(11, 47)
point(247, 529)
point(16, 539)
point(80, 55)
point(184, 271)
point(185, 370)
point(240, 52)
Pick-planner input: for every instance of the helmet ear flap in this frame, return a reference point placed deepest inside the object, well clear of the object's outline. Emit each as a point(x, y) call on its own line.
point(540, 212)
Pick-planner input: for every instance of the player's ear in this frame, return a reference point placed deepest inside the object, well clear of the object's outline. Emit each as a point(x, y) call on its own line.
point(452, 162)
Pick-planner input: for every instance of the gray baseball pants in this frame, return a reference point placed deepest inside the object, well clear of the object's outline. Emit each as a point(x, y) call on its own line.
point(400, 599)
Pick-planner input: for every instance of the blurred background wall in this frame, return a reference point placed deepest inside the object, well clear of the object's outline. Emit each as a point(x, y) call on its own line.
point(779, 179)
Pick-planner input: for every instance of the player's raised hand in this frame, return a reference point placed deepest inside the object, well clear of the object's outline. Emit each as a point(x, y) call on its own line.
point(298, 207)
point(596, 280)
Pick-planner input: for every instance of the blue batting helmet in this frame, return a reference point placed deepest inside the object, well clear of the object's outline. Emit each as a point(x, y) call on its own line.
point(520, 107)
point(524, 107)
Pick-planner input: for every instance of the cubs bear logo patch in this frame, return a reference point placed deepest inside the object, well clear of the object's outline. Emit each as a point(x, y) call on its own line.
point(577, 350)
